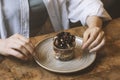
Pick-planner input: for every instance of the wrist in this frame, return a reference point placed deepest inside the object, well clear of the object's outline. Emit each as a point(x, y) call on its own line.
point(94, 21)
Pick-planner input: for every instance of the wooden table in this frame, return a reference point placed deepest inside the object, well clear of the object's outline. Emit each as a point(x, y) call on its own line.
point(105, 67)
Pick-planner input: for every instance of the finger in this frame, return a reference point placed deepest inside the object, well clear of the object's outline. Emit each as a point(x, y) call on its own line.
point(22, 38)
point(97, 41)
point(26, 43)
point(26, 40)
point(17, 54)
point(19, 46)
point(28, 46)
point(85, 38)
point(98, 47)
point(91, 38)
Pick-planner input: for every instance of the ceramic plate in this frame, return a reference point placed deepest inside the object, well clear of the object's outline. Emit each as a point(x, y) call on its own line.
point(45, 57)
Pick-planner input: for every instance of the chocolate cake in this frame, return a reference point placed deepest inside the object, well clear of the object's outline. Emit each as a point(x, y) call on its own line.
point(63, 45)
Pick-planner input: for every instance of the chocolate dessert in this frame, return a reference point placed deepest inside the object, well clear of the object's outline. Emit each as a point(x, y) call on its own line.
point(63, 45)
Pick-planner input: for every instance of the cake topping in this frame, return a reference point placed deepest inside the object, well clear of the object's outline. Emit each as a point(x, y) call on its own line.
point(64, 40)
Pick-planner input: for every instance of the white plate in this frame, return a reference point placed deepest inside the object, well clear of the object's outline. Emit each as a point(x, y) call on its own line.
point(45, 58)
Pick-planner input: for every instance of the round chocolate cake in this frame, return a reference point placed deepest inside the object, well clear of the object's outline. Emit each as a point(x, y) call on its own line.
point(63, 45)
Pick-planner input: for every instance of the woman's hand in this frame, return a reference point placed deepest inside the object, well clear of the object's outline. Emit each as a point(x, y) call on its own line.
point(17, 46)
point(93, 39)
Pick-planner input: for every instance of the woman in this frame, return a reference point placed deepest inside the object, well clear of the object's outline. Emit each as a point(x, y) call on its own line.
point(16, 24)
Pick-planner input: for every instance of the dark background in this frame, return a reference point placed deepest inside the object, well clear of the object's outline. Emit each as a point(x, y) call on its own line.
point(112, 7)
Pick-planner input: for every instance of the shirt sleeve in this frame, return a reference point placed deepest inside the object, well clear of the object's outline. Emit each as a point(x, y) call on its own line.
point(79, 10)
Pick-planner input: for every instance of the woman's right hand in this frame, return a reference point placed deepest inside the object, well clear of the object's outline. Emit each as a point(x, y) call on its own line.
point(17, 46)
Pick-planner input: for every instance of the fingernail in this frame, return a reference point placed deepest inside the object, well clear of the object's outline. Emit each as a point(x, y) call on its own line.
point(91, 51)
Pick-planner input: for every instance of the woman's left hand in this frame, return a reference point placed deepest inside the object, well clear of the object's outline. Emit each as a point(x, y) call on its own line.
point(93, 39)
